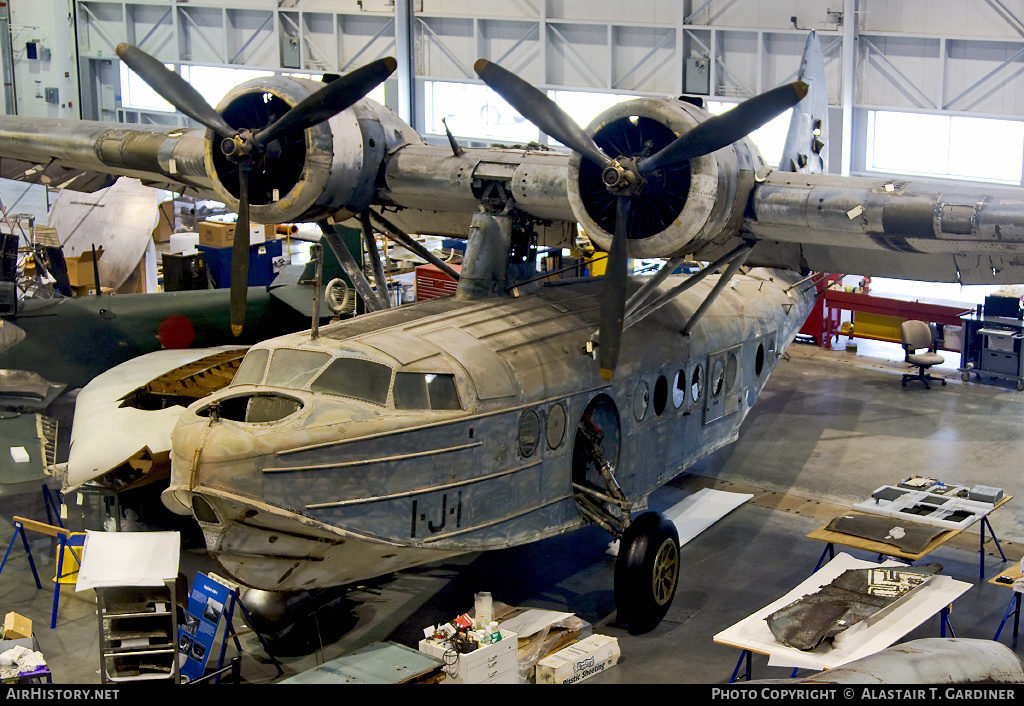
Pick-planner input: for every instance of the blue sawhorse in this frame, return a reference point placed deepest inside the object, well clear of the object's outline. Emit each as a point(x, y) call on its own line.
point(1012, 609)
point(63, 537)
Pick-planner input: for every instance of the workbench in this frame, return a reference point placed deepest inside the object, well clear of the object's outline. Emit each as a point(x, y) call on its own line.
point(832, 538)
point(879, 318)
point(752, 634)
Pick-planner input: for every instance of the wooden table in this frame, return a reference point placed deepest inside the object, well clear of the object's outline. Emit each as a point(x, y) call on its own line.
point(752, 633)
point(848, 540)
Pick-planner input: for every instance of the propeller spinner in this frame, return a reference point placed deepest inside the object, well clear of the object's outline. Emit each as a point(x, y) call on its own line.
point(247, 147)
point(626, 175)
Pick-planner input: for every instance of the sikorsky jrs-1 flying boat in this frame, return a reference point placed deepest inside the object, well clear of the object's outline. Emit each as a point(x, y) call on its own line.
point(520, 408)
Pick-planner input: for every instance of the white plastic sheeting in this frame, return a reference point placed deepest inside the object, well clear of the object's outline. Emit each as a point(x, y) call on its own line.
point(120, 219)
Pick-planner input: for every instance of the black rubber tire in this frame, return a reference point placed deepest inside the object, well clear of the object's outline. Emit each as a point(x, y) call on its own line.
point(646, 572)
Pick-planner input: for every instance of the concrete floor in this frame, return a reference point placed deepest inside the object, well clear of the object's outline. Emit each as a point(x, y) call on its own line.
point(830, 427)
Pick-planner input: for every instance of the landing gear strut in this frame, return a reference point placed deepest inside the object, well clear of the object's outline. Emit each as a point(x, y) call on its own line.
point(647, 567)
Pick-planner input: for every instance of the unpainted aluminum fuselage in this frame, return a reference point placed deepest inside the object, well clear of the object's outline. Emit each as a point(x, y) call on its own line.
point(335, 490)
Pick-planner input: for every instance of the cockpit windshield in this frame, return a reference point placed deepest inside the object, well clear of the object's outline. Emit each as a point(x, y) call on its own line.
point(289, 367)
point(252, 367)
point(357, 378)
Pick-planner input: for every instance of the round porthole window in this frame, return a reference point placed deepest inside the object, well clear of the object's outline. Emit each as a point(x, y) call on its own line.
point(556, 426)
point(759, 360)
point(529, 433)
point(679, 388)
point(660, 395)
point(697, 383)
point(641, 398)
point(718, 379)
point(732, 369)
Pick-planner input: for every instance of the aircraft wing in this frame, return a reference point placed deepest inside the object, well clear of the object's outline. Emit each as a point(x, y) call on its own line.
point(919, 230)
point(86, 155)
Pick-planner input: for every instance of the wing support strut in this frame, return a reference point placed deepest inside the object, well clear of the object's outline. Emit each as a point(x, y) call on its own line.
point(379, 279)
point(637, 311)
point(351, 267)
point(715, 291)
point(409, 243)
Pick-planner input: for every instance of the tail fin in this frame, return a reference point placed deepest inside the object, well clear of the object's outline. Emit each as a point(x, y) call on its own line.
point(805, 143)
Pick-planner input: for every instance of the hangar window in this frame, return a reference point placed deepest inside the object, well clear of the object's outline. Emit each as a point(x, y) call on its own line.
point(212, 82)
point(293, 368)
point(945, 146)
point(770, 138)
point(474, 111)
point(251, 370)
point(356, 378)
point(426, 391)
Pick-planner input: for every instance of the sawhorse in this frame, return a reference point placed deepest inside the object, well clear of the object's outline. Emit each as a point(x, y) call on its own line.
point(63, 537)
point(1012, 609)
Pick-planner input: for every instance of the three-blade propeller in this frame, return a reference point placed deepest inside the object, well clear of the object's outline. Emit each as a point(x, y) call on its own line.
point(247, 146)
point(625, 175)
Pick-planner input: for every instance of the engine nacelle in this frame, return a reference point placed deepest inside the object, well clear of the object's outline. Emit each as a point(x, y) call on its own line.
point(308, 174)
point(684, 210)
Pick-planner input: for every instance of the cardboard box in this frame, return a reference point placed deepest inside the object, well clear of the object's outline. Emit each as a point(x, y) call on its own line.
point(89, 290)
point(222, 235)
point(165, 223)
point(216, 235)
point(16, 626)
point(80, 270)
point(579, 661)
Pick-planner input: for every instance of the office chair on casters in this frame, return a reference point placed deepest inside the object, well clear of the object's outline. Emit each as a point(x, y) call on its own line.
point(915, 336)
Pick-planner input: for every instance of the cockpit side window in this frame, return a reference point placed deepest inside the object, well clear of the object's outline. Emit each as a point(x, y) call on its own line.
point(357, 378)
point(293, 368)
point(250, 371)
point(426, 391)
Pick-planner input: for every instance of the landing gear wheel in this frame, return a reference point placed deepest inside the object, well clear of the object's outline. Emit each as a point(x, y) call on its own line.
point(965, 376)
point(646, 572)
point(1020, 385)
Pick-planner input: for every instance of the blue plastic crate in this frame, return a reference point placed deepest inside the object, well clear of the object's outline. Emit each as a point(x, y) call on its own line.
point(261, 263)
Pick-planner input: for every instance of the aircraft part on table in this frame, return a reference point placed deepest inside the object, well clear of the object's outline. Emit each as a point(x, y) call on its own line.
point(854, 596)
point(910, 537)
point(121, 435)
point(22, 383)
point(930, 660)
point(119, 219)
point(10, 335)
point(29, 448)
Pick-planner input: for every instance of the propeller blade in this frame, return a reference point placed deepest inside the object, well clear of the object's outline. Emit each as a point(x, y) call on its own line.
point(240, 254)
point(330, 100)
point(536, 107)
point(722, 130)
point(613, 298)
point(174, 89)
